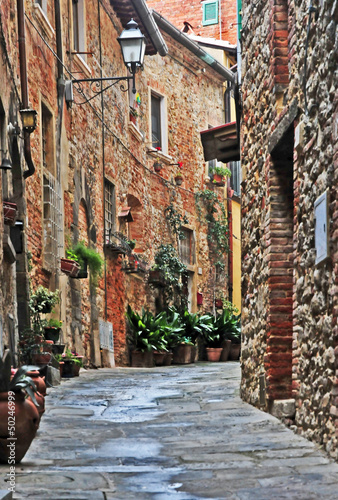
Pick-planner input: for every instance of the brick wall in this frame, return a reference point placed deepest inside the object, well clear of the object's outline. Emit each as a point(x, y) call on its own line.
point(180, 11)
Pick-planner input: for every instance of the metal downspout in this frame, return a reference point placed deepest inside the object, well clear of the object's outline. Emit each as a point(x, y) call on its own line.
point(150, 25)
point(24, 85)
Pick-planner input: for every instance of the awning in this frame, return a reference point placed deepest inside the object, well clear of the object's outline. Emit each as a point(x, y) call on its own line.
point(221, 143)
point(126, 214)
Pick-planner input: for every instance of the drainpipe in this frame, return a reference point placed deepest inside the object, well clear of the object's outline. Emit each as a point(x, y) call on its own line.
point(231, 246)
point(24, 85)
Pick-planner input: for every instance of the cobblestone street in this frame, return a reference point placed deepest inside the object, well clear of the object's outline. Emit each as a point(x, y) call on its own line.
point(166, 433)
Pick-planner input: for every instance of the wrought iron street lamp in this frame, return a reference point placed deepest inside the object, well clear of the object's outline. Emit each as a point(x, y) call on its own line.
point(133, 47)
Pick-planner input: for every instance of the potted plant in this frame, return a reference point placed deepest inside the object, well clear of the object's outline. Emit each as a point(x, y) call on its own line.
point(227, 324)
point(52, 329)
point(72, 362)
point(43, 300)
point(133, 114)
point(87, 256)
point(10, 211)
point(148, 334)
point(19, 418)
point(178, 178)
point(219, 174)
point(157, 166)
point(70, 265)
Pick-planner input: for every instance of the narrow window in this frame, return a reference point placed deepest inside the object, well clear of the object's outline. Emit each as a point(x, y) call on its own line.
point(109, 211)
point(76, 26)
point(210, 12)
point(156, 131)
point(47, 139)
point(187, 248)
point(235, 179)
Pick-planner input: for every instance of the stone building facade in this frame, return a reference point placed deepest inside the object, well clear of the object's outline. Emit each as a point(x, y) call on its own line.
point(91, 171)
point(290, 213)
point(209, 18)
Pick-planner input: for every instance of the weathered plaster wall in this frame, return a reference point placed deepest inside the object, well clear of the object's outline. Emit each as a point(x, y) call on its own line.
point(273, 100)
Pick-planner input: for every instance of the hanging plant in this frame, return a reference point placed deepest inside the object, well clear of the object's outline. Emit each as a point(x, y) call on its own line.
point(176, 220)
point(216, 218)
point(85, 255)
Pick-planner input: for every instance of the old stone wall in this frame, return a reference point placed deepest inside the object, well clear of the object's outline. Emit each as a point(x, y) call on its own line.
point(289, 158)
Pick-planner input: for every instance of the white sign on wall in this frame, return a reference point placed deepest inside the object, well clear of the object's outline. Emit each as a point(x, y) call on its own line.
point(322, 227)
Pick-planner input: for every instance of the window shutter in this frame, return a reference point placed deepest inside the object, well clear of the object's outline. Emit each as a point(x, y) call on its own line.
point(210, 12)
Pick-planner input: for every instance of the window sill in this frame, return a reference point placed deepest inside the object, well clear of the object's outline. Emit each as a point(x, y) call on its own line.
point(135, 132)
point(160, 155)
point(82, 65)
point(43, 20)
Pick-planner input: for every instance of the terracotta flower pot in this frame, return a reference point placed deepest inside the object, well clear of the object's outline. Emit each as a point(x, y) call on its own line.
point(41, 358)
point(159, 358)
point(40, 399)
point(183, 354)
point(26, 425)
point(48, 347)
point(142, 359)
point(10, 210)
point(218, 180)
point(168, 358)
point(235, 352)
point(70, 267)
point(178, 180)
point(214, 353)
point(38, 381)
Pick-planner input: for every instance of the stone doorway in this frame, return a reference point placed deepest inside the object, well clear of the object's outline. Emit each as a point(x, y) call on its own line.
point(278, 359)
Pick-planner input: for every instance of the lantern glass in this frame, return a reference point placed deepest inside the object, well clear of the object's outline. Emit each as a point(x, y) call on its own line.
point(133, 46)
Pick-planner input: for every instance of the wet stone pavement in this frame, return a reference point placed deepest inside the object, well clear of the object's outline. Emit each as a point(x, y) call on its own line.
point(178, 432)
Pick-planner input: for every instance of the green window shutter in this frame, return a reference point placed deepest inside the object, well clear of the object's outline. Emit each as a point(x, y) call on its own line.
point(210, 12)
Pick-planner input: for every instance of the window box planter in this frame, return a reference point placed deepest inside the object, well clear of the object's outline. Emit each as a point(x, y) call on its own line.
point(134, 264)
point(10, 211)
point(117, 243)
point(70, 267)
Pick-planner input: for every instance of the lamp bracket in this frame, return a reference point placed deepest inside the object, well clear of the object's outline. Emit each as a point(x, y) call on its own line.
point(96, 85)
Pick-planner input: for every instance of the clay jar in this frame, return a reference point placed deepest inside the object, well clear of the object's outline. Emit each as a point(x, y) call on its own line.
point(38, 381)
point(26, 424)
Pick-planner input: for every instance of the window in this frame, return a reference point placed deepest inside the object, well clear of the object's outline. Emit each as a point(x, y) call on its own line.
point(156, 133)
point(78, 27)
point(47, 139)
point(187, 247)
point(210, 12)
point(43, 5)
point(109, 209)
point(235, 179)
point(52, 221)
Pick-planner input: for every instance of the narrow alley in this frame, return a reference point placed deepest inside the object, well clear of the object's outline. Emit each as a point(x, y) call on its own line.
point(165, 433)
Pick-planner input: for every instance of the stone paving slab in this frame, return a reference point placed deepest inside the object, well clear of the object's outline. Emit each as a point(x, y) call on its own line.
point(179, 432)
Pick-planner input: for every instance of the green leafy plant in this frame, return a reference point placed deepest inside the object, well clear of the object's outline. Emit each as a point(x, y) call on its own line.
point(216, 219)
point(131, 243)
point(54, 323)
point(222, 171)
point(146, 331)
point(227, 325)
point(175, 219)
point(82, 254)
point(194, 325)
point(69, 355)
point(42, 300)
point(173, 271)
point(20, 382)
